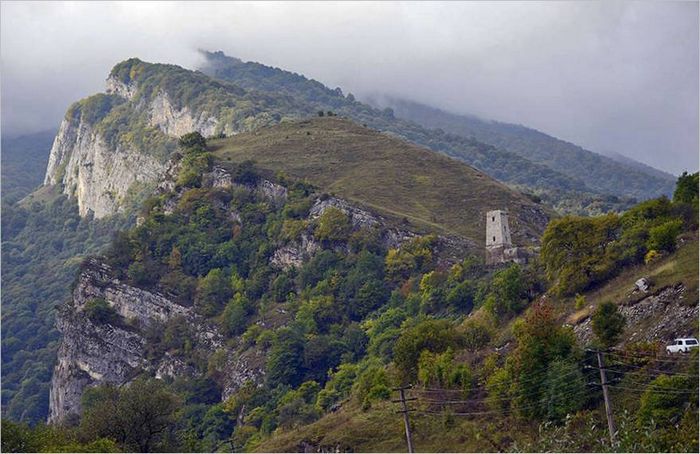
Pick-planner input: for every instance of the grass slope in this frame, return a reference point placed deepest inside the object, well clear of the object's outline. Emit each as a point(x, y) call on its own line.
point(399, 180)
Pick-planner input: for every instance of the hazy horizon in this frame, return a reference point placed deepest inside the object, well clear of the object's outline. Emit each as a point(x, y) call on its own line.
point(616, 77)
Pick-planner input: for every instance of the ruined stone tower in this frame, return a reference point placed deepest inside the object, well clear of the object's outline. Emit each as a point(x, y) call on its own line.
point(499, 246)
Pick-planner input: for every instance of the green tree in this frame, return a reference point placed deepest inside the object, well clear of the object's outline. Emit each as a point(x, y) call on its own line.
point(663, 237)
point(333, 225)
point(664, 399)
point(136, 416)
point(432, 335)
point(576, 251)
point(608, 323)
point(285, 360)
point(540, 340)
point(192, 140)
point(565, 388)
point(687, 188)
point(213, 290)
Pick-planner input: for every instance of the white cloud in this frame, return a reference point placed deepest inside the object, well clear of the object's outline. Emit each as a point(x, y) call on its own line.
point(607, 75)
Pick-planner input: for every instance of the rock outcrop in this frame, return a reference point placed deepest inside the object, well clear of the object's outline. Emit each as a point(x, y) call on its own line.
point(96, 174)
point(94, 353)
point(661, 316)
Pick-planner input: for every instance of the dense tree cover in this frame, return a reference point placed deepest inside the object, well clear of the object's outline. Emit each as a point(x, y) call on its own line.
point(354, 307)
point(599, 173)
point(24, 161)
point(43, 243)
point(580, 252)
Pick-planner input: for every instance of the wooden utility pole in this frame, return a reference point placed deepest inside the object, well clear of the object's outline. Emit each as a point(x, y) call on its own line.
point(405, 410)
point(608, 406)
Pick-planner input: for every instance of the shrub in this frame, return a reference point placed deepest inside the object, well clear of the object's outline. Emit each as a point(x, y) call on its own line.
point(608, 323)
point(99, 311)
point(213, 291)
point(461, 297)
point(664, 399)
point(475, 334)
point(333, 225)
point(192, 140)
point(432, 335)
point(439, 370)
point(663, 237)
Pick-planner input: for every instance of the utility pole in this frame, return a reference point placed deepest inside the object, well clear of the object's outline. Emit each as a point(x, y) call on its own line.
point(405, 410)
point(608, 406)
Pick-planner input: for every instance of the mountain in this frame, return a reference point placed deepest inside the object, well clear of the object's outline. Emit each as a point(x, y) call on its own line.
point(499, 163)
point(617, 176)
point(112, 147)
point(111, 151)
point(639, 166)
point(259, 312)
point(276, 280)
point(397, 179)
point(408, 192)
point(24, 161)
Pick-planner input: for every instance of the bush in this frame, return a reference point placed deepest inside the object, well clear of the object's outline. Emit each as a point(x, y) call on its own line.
point(213, 291)
point(608, 323)
point(192, 140)
point(663, 237)
point(461, 297)
point(475, 334)
point(333, 225)
point(664, 399)
point(99, 311)
point(440, 370)
point(432, 335)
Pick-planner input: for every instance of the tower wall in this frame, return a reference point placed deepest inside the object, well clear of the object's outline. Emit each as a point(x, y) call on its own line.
point(497, 229)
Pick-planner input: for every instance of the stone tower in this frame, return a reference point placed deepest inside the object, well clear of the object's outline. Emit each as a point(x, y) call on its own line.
point(499, 246)
point(497, 230)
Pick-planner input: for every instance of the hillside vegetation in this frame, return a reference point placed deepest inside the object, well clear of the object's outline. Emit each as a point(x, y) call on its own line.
point(598, 172)
point(24, 160)
point(395, 178)
point(492, 364)
point(566, 191)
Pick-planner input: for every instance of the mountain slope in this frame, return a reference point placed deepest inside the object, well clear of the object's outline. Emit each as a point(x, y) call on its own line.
point(398, 179)
point(24, 161)
point(498, 163)
point(112, 147)
point(601, 173)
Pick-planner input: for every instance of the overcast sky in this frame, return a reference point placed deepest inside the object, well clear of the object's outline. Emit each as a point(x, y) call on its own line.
point(616, 77)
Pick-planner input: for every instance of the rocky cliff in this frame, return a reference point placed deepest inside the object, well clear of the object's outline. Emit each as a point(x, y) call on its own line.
point(114, 144)
point(94, 352)
point(98, 175)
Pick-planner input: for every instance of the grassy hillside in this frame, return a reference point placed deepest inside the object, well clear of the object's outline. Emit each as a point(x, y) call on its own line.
point(391, 176)
point(499, 163)
point(598, 172)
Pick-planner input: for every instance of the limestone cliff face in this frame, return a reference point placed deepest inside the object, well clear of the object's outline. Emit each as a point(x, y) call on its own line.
point(97, 175)
point(93, 353)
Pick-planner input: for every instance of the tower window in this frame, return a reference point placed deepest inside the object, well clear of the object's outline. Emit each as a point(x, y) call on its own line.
point(494, 239)
point(493, 218)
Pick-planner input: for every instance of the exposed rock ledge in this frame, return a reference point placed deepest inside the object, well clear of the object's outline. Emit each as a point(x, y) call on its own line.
point(661, 316)
point(93, 353)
